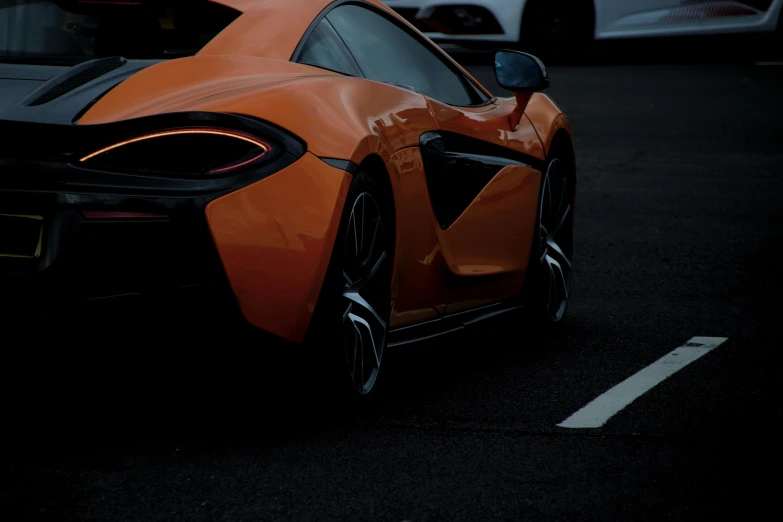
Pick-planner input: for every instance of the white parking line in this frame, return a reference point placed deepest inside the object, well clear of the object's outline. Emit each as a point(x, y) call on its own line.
point(605, 406)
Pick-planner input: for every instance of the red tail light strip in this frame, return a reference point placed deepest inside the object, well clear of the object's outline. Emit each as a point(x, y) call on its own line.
point(178, 132)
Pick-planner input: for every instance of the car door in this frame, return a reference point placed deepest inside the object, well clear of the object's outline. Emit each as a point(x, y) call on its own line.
point(494, 166)
point(482, 192)
point(422, 291)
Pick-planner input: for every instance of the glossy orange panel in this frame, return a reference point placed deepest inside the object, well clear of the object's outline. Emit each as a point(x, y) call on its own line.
point(422, 277)
point(173, 85)
point(491, 240)
point(338, 117)
point(547, 118)
point(494, 235)
point(275, 239)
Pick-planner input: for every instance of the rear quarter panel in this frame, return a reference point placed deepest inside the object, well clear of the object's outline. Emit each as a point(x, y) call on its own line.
point(275, 239)
point(339, 118)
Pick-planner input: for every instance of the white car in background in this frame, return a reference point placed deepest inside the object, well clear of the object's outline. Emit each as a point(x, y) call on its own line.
point(558, 25)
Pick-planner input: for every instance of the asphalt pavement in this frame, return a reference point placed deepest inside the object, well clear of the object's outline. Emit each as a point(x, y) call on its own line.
point(679, 234)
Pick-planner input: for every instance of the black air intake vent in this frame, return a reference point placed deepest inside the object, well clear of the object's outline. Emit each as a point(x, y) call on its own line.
point(94, 70)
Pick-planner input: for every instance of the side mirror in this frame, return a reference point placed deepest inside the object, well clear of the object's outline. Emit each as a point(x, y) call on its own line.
point(520, 72)
point(523, 74)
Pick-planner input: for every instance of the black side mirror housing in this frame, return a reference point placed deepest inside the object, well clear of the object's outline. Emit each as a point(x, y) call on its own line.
point(523, 74)
point(520, 72)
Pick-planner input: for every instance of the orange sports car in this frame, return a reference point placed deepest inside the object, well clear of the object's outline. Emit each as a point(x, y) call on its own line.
point(318, 166)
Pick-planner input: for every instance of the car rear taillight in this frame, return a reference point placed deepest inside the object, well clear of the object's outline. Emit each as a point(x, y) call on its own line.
point(199, 151)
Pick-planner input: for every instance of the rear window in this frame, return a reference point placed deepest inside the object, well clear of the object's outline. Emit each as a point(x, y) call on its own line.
point(71, 31)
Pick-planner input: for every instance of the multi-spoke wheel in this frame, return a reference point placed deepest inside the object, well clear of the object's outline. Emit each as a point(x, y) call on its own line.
point(366, 294)
point(555, 238)
point(348, 330)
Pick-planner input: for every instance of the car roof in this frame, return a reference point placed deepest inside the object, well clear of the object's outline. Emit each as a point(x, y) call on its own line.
point(274, 28)
point(248, 6)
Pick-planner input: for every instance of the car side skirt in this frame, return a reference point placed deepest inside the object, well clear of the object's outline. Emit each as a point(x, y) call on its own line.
point(450, 323)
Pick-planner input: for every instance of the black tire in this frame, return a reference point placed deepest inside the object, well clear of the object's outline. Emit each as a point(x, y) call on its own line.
point(552, 252)
point(339, 316)
point(558, 29)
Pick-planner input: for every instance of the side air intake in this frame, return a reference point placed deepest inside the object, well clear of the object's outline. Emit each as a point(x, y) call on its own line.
point(92, 71)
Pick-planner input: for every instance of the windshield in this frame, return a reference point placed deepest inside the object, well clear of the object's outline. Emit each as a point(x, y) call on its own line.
point(71, 31)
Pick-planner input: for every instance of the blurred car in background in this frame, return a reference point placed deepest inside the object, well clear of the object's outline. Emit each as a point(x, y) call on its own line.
point(563, 26)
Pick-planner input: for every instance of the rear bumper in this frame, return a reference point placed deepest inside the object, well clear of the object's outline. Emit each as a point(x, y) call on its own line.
point(96, 266)
point(253, 255)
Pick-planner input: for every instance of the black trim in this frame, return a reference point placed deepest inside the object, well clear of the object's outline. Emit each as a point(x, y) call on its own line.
point(313, 25)
point(462, 143)
point(482, 98)
point(347, 165)
point(457, 168)
point(78, 76)
point(449, 323)
point(345, 48)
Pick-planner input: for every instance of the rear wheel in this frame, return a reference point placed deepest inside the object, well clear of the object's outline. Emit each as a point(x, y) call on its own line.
point(557, 29)
point(366, 293)
point(350, 329)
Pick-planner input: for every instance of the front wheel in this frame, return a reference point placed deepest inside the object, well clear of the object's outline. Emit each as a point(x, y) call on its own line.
point(551, 259)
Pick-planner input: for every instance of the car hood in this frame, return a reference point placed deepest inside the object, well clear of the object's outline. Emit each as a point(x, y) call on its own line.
point(114, 89)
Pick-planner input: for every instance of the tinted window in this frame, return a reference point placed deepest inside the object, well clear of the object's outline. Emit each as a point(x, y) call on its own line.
point(387, 53)
point(324, 48)
point(71, 31)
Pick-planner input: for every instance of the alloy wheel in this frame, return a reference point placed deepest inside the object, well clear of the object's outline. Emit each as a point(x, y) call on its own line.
point(366, 292)
point(556, 238)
